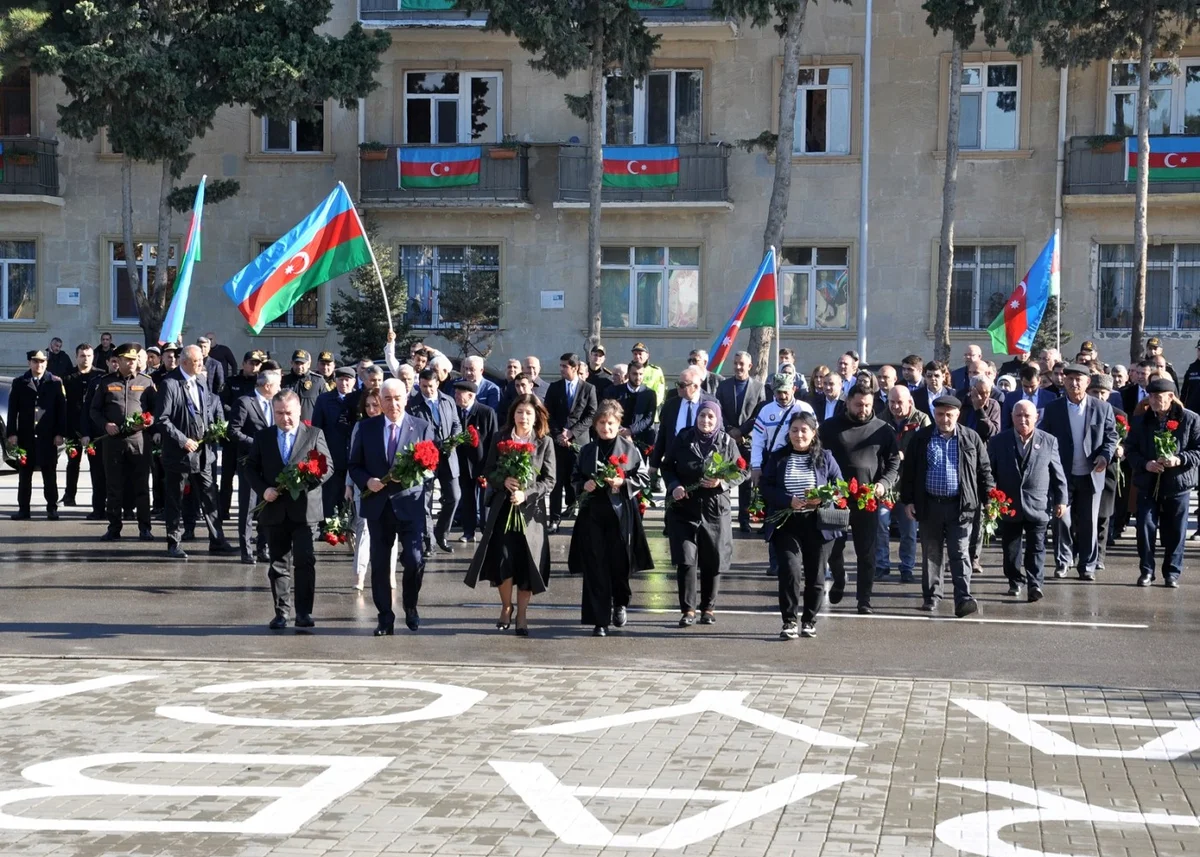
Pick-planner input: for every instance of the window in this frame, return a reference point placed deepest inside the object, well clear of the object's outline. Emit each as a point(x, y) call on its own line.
point(816, 288)
point(124, 307)
point(305, 313)
point(987, 112)
point(823, 111)
point(18, 280)
point(984, 277)
point(649, 286)
point(452, 107)
point(1172, 286)
point(662, 109)
point(1174, 98)
point(16, 114)
point(427, 270)
point(294, 136)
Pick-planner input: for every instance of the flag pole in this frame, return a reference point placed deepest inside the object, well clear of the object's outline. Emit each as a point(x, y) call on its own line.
point(1057, 295)
point(378, 274)
point(778, 303)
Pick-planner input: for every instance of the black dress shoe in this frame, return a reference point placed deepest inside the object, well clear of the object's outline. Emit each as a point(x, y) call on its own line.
point(619, 617)
point(222, 547)
point(865, 610)
point(1144, 580)
point(262, 556)
point(929, 606)
point(707, 618)
point(51, 514)
point(599, 631)
point(248, 558)
point(278, 623)
point(411, 618)
point(67, 501)
point(95, 516)
point(305, 620)
point(382, 630)
point(443, 546)
point(110, 535)
point(21, 516)
point(835, 594)
point(1171, 582)
point(1034, 594)
point(1014, 589)
point(966, 608)
point(188, 535)
point(687, 620)
point(521, 632)
point(1088, 575)
point(176, 552)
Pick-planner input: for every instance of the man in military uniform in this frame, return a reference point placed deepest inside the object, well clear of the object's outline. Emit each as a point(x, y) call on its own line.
point(326, 367)
point(307, 385)
point(335, 415)
point(168, 364)
point(236, 386)
point(126, 455)
point(78, 382)
point(37, 420)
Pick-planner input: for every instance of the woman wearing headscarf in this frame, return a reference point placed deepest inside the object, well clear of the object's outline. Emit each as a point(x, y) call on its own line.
point(698, 512)
point(608, 542)
point(802, 542)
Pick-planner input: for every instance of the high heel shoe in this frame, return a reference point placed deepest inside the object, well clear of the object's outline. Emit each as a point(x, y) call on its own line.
point(505, 618)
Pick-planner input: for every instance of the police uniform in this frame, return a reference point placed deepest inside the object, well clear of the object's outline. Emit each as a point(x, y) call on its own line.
point(37, 414)
point(235, 387)
point(126, 457)
point(307, 386)
point(654, 378)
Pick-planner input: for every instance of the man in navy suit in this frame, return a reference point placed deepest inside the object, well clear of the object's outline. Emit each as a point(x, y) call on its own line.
point(739, 398)
point(334, 415)
point(252, 414)
point(487, 393)
point(571, 404)
point(679, 412)
point(1087, 441)
point(1030, 391)
point(439, 410)
point(962, 375)
point(1027, 467)
point(471, 412)
point(391, 511)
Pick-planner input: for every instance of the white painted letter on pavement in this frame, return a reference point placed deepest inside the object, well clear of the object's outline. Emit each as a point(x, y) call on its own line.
point(452, 700)
point(32, 694)
point(559, 808)
point(292, 807)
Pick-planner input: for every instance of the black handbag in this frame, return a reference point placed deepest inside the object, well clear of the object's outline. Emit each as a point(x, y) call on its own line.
point(833, 518)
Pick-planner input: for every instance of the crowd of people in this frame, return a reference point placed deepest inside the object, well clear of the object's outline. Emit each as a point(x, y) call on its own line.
point(1068, 452)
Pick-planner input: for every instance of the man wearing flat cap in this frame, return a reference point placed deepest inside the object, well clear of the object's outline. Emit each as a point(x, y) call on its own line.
point(1164, 480)
point(1086, 431)
point(334, 414)
point(307, 385)
point(37, 421)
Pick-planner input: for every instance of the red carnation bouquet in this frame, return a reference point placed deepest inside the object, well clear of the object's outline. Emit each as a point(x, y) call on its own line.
point(134, 423)
point(469, 436)
point(999, 505)
point(1165, 446)
point(717, 467)
point(414, 465)
point(16, 455)
point(835, 495)
point(75, 449)
point(514, 459)
point(867, 498)
point(1122, 433)
point(336, 529)
point(299, 477)
point(613, 468)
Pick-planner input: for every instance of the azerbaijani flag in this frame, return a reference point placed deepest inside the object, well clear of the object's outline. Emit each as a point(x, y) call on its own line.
point(328, 243)
point(641, 166)
point(757, 309)
point(1172, 159)
point(1014, 329)
point(173, 324)
point(455, 166)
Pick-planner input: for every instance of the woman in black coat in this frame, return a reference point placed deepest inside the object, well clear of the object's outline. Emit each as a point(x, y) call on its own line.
point(608, 541)
point(802, 543)
point(520, 559)
point(698, 520)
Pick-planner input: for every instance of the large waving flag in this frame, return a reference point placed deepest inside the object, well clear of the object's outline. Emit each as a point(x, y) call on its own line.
point(1014, 328)
point(173, 324)
point(758, 308)
point(328, 243)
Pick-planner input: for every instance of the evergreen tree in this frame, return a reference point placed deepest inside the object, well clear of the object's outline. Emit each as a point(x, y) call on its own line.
point(358, 313)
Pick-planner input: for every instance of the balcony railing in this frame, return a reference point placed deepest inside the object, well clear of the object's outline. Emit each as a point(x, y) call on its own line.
point(703, 177)
point(28, 165)
point(1096, 165)
point(503, 178)
point(417, 12)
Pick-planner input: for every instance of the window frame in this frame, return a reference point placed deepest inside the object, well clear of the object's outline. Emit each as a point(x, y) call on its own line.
point(144, 267)
point(437, 270)
point(30, 90)
point(1174, 266)
point(639, 106)
point(5, 263)
point(976, 266)
point(665, 269)
point(983, 89)
point(1177, 89)
point(812, 269)
point(293, 135)
point(465, 76)
point(802, 110)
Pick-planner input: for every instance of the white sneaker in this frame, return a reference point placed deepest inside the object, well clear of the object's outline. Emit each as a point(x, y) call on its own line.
point(808, 629)
point(789, 632)
point(358, 584)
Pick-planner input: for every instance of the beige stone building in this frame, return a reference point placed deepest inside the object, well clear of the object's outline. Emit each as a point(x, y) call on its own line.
point(676, 259)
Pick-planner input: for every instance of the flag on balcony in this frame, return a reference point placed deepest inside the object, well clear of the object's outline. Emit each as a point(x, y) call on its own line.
point(1172, 159)
point(173, 323)
point(757, 308)
point(1015, 327)
point(427, 5)
point(641, 166)
point(421, 169)
point(328, 243)
point(651, 5)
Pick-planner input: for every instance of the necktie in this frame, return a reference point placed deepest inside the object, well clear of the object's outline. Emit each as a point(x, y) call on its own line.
point(285, 446)
point(571, 394)
point(690, 416)
point(462, 418)
point(393, 440)
point(266, 412)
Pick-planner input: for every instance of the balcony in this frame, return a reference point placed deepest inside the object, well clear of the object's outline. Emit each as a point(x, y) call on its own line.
point(703, 181)
point(1095, 174)
point(29, 170)
point(503, 182)
point(442, 13)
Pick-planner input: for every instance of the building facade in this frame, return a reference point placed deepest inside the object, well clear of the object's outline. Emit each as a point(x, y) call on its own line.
point(675, 259)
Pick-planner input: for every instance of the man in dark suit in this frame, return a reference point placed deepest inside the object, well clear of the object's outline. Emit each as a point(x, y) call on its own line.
point(439, 411)
point(679, 412)
point(1100, 387)
point(214, 369)
point(82, 378)
point(391, 511)
point(699, 358)
point(223, 354)
point(1026, 465)
point(599, 375)
point(36, 423)
point(252, 414)
point(571, 403)
point(472, 412)
point(936, 377)
point(1087, 442)
point(828, 402)
point(961, 376)
point(638, 403)
point(1029, 391)
point(186, 409)
point(334, 416)
point(286, 522)
point(739, 397)
point(1133, 392)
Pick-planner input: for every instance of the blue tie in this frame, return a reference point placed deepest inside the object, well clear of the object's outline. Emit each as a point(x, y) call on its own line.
point(285, 446)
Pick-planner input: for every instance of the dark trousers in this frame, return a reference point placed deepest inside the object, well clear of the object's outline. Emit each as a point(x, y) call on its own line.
point(126, 466)
point(99, 480)
point(437, 528)
point(564, 487)
point(1075, 532)
point(247, 500)
point(803, 553)
point(687, 577)
point(470, 503)
point(293, 566)
point(333, 492)
point(203, 492)
point(73, 466)
point(745, 492)
point(1028, 538)
point(864, 528)
point(945, 541)
point(976, 543)
point(157, 481)
point(228, 469)
point(384, 532)
point(1162, 517)
point(44, 459)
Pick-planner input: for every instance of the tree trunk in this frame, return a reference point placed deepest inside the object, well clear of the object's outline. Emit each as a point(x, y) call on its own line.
point(131, 266)
point(160, 290)
point(941, 327)
point(1137, 327)
point(781, 188)
point(595, 184)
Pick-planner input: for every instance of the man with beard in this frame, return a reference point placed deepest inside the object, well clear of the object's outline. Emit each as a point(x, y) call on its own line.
point(739, 398)
point(865, 450)
point(906, 422)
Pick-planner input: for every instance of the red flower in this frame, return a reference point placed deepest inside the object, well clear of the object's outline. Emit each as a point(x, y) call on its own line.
point(331, 539)
point(426, 454)
point(147, 417)
point(841, 502)
point(624, 459)
point(1122, 421)
point(614, 460)
point(91, 450)
point(741, 463)
point(1172, 425)
point(22, 460)
point(187, 487)
point(853, 485)
point(307, 423)
point(72, 453)
point(482, 480)
point(871, 505)
point(474, 433)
